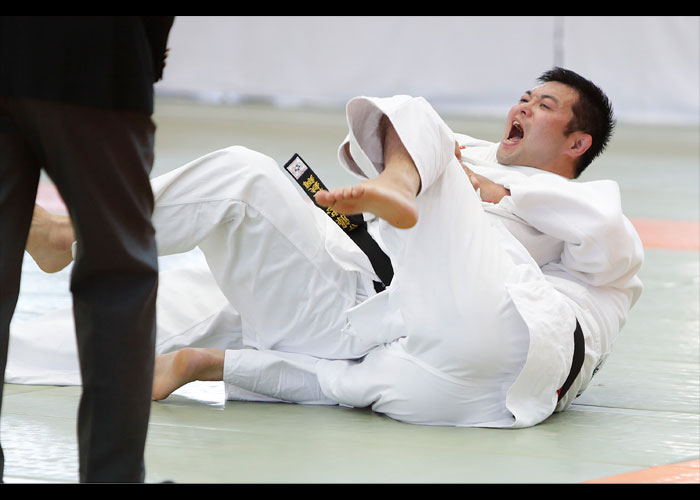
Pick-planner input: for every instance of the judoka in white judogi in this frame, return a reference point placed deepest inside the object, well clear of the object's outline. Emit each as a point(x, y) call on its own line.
point(477, 326)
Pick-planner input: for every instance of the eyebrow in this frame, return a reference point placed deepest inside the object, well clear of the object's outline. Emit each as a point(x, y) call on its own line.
point(544, 96)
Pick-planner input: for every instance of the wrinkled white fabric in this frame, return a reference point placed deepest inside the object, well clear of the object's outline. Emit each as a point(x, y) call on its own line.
point(190, 311)
point(477, 326)
point(580, 238)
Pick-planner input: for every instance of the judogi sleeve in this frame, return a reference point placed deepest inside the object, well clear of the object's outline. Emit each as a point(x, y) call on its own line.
point(601, 247)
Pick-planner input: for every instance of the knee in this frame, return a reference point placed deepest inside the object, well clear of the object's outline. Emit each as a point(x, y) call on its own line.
point(241, 158)
point(226, 173)
point(235, 166)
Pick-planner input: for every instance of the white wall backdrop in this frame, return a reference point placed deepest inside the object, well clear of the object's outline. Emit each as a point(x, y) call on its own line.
point(649, 66)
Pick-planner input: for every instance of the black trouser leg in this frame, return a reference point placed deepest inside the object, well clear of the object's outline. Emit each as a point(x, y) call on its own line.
point(19, 176)
point(100, 161)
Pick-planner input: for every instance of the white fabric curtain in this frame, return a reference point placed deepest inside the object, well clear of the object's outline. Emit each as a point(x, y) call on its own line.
point(649, 66)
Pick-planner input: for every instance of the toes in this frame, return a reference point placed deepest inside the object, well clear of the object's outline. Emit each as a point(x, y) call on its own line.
point(357, 191)
point(324, 198)
point(342, 199)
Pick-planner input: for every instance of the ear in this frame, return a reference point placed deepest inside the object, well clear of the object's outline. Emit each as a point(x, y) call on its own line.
point(580, 144)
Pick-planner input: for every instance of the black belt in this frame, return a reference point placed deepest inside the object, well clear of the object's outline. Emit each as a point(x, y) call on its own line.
point(354, 226)
point(576, 362)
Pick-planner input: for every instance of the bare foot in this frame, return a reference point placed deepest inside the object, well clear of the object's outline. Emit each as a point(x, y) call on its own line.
point(394, 202)
point(175, 369)
point(50, 239)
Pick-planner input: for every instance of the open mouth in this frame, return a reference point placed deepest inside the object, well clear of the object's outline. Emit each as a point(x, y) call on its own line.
point(516, 132)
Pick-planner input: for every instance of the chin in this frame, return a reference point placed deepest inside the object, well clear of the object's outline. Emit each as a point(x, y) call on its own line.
point(503, 157)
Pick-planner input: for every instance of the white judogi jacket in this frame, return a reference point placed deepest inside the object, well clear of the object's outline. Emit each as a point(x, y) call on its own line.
point(578, 235)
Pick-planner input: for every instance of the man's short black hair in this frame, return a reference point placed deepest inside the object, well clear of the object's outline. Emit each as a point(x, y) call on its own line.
point(593, 113)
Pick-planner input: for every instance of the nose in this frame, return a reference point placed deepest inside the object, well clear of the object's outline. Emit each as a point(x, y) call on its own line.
point(525, 108)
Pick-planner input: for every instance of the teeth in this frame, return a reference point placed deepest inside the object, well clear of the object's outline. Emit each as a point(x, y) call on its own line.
point(516, 131)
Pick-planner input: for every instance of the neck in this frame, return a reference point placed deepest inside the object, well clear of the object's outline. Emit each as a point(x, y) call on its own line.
point(563, 168)
point(567, 171)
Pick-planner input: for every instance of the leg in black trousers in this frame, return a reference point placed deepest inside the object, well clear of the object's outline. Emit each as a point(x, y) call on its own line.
point(100, 161)
point(19, 177)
